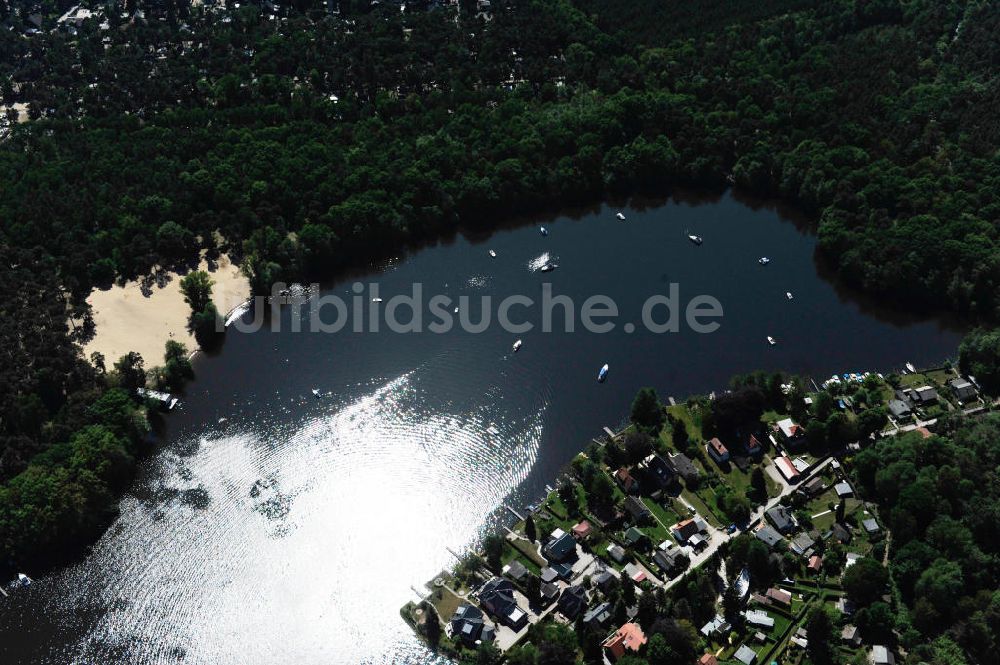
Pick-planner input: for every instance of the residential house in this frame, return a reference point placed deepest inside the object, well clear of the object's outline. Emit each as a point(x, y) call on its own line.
point(660, 472)
point(787, 469)
point(782, 519)
point(598, 615)
point(850, 636)
point(846, 606)
point(717, 626)
point(802, 544)
point(685, 529)
point(813, 486)
point(870, 525)
point(852, 558)
point(791, 432)
point(497, 597)
point(555, 572)
point(899, 409)
point(843, 489)
point(685, 468)
point(616, 552)
point(881, 655)
point(815, 563)
point(549, 592)
point(717, 450)
point(515, 570)
point(768, 536)
point(962, 389)
point(627, 638)
point(561, 546)
point(572, 601)
point(759, 618)
point(745, 655)
point(753, 446)
point(638, 510)
point(635, 571)
point(708, 659)
point(841, 533)
point(923, 395)
point(672, 562)
point(581, 531)
point(627, 481)
point(636, 539)
point(469, 625)
point(606, 581)
point(779, 597)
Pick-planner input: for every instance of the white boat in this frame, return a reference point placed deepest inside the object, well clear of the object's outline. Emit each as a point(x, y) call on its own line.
point(763, 260)
point(695, 239)
point(166, 400)
point(456, 310)
point(788, 294)
point(909, 366)
point(517, 346)
point(544, 231)
point(493, 254)
point(771, 340)
point(620, 216)
point(23, 579)
point(376, 300)
point(316, 393)
point(602, 374)
point(549, 267)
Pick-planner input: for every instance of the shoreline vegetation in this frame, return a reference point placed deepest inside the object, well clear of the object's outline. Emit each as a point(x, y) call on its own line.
point(799, 463)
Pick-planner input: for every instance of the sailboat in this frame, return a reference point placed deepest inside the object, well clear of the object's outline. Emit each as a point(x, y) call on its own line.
point(620, 216)
point(544, 231)
point(695, 239)
point(602, 374)
point(771, 340)
point(788, 294)
point(517, 346)
point(316, 393)
point(493, 254)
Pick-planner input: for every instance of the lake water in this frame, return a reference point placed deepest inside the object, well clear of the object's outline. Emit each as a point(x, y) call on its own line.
point(293, 531)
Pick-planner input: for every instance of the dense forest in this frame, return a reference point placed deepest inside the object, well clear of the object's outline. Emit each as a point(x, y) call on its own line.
point(940, 497)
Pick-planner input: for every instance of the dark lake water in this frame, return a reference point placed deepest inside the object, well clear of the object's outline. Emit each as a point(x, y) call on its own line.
point(293, 530)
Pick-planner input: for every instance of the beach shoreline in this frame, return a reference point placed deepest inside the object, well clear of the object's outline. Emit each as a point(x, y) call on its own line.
point(127, 319)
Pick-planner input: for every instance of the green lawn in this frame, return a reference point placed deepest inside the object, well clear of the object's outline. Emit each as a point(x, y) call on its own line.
point(681, 412)
point(702, 508)
point(522, 551)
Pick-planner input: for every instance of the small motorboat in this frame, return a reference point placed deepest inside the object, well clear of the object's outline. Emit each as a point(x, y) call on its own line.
point(549, 267)
point(909, 366)
point(788, 294)
point(620, 216)
point(544, 231)
point(771, 340)
point(763, 260)
point(376, 300)
point(602, 374)
point(695, 239)
point(23, 579)
point(456, 310)
point(517, 346)
point(316, 393)
point(493, 254)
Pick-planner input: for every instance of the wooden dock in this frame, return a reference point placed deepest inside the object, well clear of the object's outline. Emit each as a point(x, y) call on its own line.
point(514, 512)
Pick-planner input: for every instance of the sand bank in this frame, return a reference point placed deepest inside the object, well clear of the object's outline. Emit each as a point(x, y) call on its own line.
point(129, 320)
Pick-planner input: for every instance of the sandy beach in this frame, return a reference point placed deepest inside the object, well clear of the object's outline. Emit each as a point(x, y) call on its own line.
point(128, 320)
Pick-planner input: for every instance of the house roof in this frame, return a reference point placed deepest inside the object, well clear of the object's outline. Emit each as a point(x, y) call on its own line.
point(898, 408)
point(634, 535)
point(745, 655)
point(786, 467)
point(768, 536)
point(843, 488)
point(717, 445)
point(881, 655)
point(660, 470)
point(925, 393)
point(759, 618)
point(815, 562)
point(560, 548)
point(781, 518)
point(515, 570)
point(616, 551)
point(718, 624)
point(572, 601)
point(870, 525)
point(841, 533)
point(685, 529)
point(683, 465)
point(636, 508)
point(598, 614)
point(790, 429)
point(581, 529)
point(779, 595)
point(802, 542)
point(708, 659)
point(628, 637)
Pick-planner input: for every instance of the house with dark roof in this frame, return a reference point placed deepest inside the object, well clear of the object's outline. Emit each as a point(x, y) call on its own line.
point(671, 561)
point(598, 615)
point(962, 389)
point(923, 395)
point(549, 592)
point(841, 533)
point(782, 519)
point(572, 601)
point(753, 446)
point(802, 544)
point(606, 581)
point(638, 510)
point(717, 450)
point(497, 597)
point(660, 473)
point(684, 467)
point(768, 536)
point(560, 547)
point(636, 538)
point(515, 570)
point(813, 486)
point(899, 409)
point(469, 625)
point(850, 636)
